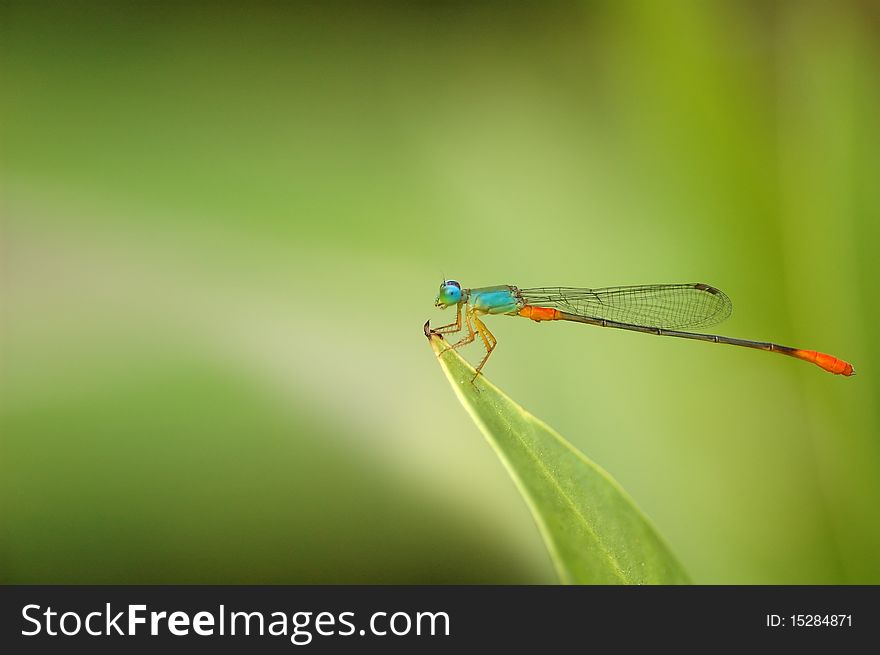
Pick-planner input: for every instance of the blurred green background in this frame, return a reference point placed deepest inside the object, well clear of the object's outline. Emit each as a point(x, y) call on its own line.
point(224, 225)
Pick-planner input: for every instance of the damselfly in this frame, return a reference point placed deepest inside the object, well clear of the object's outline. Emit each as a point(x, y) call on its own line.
point(662, 309)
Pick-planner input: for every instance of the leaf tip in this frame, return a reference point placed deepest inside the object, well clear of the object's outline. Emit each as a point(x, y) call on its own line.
point(436, 340)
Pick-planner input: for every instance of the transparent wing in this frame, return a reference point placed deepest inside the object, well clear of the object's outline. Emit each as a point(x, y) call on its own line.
point(669, 306)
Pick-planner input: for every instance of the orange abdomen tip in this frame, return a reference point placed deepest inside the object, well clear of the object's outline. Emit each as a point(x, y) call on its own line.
point(828, 362)
point(539, 313)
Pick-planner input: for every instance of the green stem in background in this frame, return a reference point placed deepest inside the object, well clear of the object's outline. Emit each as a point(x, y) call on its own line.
point(593, 529)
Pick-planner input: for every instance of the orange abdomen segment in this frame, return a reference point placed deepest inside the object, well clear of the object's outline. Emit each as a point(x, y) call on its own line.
point(539, 313)
point(828, 362)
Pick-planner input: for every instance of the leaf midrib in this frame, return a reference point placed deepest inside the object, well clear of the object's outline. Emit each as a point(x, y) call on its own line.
point(612, 560)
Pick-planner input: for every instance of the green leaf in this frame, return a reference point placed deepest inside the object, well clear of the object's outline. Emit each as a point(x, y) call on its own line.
point(593, 529)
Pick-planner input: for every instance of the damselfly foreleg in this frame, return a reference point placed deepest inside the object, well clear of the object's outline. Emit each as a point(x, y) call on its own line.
point(468, 338)
point(453, 327)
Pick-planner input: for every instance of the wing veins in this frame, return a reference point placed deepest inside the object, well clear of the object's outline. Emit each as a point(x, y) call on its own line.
point(668, 306)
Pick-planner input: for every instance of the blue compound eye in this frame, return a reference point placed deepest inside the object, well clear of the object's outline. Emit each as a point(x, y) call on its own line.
point(450, 293)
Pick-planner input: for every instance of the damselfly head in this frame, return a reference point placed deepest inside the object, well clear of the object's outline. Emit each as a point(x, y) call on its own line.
point(449, 294)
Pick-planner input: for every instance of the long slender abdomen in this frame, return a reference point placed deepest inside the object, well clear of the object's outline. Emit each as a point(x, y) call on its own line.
point(822, 360)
